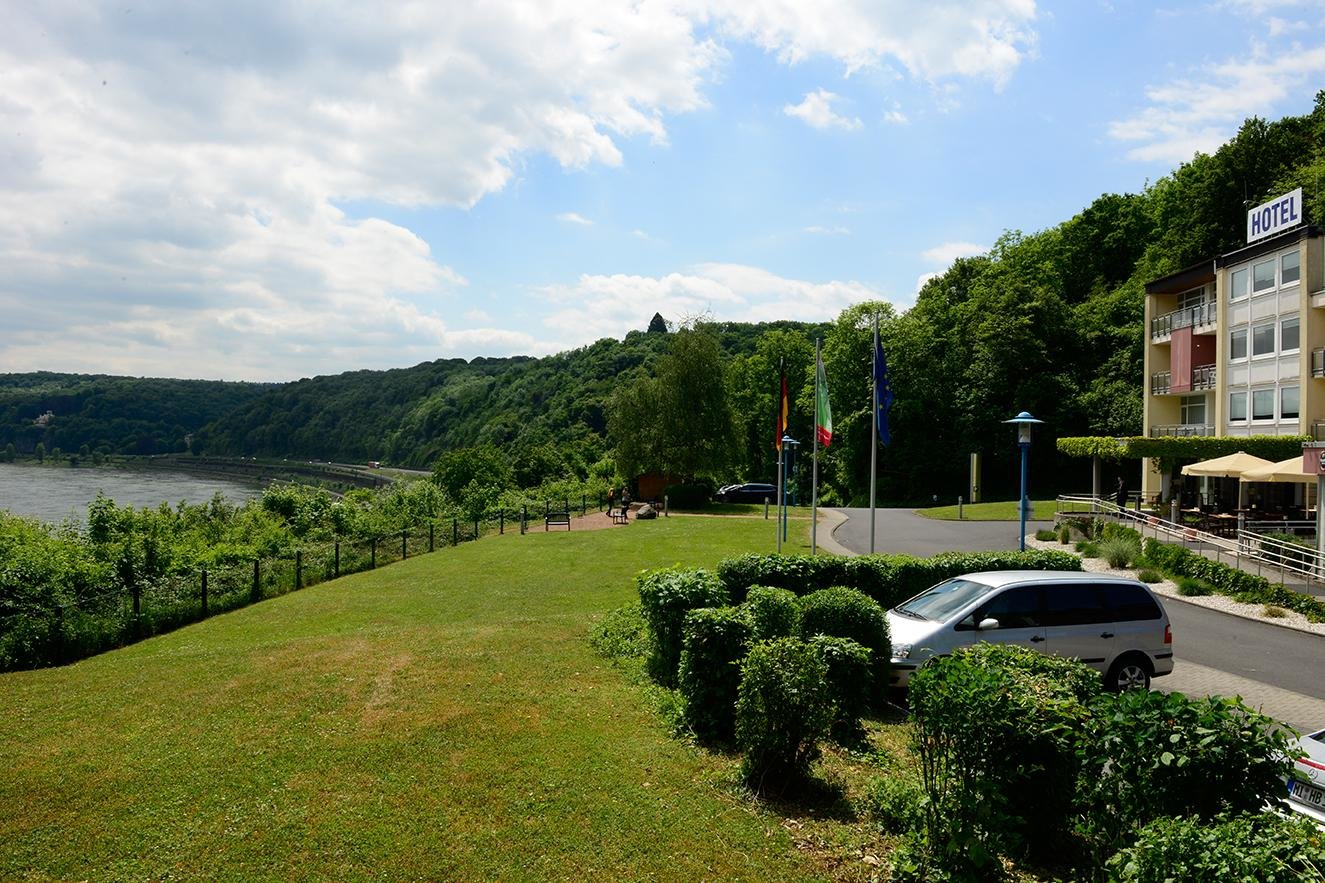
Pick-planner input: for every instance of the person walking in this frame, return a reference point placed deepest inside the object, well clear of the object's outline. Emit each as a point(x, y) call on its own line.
point(625, 502)
point(611, 499)
point(1120, 495)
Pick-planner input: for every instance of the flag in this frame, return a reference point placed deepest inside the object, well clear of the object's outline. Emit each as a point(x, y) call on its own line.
point(883, 390)
point(823, 415)
point(780, 420)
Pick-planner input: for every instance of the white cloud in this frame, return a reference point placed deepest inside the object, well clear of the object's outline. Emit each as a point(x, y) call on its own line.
point(817, 111)
point(896, 117)
point(923, 278)
point(573, 218)
point(609, 306)
point(1202, 111)
point(828, 231)
point(947, 252)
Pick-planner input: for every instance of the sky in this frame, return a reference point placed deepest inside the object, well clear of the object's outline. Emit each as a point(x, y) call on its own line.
point(268, 190)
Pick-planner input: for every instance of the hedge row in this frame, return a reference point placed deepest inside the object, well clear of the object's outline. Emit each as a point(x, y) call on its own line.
point(888, 579)
point(1268, 447)
point(1237, 584)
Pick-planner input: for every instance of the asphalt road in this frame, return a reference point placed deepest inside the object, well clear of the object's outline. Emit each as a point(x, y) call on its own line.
point(1267, 664)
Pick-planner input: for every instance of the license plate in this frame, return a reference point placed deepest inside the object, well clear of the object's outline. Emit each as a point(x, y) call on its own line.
point(1308, 794)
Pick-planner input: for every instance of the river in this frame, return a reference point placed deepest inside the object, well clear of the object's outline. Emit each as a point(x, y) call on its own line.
point(53, 493)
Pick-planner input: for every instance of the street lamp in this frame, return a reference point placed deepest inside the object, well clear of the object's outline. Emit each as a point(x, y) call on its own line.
point(1024, 423)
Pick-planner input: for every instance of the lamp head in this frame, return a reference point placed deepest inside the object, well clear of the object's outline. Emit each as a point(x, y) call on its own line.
point(1024, 423)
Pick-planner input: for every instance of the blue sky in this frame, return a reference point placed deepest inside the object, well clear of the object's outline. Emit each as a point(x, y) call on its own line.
point(269, 190)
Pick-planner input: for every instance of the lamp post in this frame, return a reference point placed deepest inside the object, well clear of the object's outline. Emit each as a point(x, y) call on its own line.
point(1024, 423)
point(789, 445)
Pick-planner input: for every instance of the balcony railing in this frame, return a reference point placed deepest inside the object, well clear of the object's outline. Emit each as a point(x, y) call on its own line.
point(1181, 429)
point(1202, 314)
point(1203, 377)
point(1318, 362)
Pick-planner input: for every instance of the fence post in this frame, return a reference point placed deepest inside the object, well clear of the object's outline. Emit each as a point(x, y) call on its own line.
point(431, 545)
point(404, 545)
point(255, 594)
point(584, 505)
point(477, 523)
point(204, 592)
point(455, 532)
point(298, 569)
point(337, 562)
point(666, 508)
point(372, 560)
point(765, 508)
point(137, 602)
point(501, 521)
point(524, 517)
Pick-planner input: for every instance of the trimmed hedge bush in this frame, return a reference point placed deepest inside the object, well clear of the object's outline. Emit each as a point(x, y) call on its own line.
point(1148, 755)
point(993, 724)
point(716, 639)
point(1237, 584)
point(1261, 846)
point(846, 613)
point(851, 677)
point(774, 613)
point(666, 596)
point(888, 579)
point(783, 709)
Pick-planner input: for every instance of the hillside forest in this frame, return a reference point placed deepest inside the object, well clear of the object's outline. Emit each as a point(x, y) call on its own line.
point(1049, 322)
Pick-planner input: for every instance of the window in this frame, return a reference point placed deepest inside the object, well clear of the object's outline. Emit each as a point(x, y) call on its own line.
point(1262, 340)
point(1193, 410)
point(1237, 407)
point(1289, 269)
point(1262, 276)
point(1190, 299)
point(1237, 287)
point(1073, 604)
point(1288, 403)
point(1288, 335)
point(1017, 608)
point(1237, 344)
point(1130, 603)
point(1262, 404)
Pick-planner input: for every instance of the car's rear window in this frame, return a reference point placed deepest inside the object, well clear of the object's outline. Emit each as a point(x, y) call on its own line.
point(945, 599)
point(1130, 603)
point(1073, 604)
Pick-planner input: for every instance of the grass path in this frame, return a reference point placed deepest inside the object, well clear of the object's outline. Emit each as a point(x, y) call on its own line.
point(440, 718)
point(1004, 510)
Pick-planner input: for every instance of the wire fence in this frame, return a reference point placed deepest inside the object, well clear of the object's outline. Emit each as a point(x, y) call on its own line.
point(43, 632)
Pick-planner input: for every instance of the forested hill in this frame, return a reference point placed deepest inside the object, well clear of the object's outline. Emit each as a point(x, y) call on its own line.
point(111, 415)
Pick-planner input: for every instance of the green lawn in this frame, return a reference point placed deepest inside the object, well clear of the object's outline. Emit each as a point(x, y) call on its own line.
point(441, 718)
point(1006, 510)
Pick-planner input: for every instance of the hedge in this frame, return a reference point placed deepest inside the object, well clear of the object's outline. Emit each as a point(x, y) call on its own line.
point(1268, 447)
point(1260, 846)
point(666, 596)
point(784, 707)
point(716, 639)
point(1237, 584)
point(774, 613)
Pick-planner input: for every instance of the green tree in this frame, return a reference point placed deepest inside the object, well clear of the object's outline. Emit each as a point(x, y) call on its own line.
point(10, 453)
point(657, 325)
point(39, 452)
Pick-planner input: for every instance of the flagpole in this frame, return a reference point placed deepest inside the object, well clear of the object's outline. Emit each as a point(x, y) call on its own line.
point(814, 480)
point(874, 425)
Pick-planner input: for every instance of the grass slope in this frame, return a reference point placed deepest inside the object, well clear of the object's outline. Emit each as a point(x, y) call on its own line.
point(440, 718)
point(1005, 510)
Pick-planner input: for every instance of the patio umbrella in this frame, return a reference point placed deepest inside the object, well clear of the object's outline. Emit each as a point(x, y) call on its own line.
point(1229, 466)
point(1285, 470)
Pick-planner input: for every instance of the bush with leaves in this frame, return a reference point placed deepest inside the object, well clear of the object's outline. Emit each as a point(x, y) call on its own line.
point(715, 641)
point(666, 596)
point(1148, 755)
point(783, 709)
point(1260, 846)
point(774, 613)
point(1119, 551)
point(851, 678)
point(1237, 584)
point(994, 723)
point(894, 802)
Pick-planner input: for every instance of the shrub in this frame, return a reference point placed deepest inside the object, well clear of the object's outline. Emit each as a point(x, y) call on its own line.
point(894, 803)
point(1046, 535)
point(774, 613)
point(1119, 550)
point(1272, 612)
point(1064, 534)
point(1225, 580)
point(1191, 588)
point(845, 613)
point(1259, 846)
point(851, 673)
point(783, 709)
point(1087, 549)
point(1147, 755)
point(994, 723)
point(798, 573)
point(1147, 575)
point(666, 596)
point(716, 639)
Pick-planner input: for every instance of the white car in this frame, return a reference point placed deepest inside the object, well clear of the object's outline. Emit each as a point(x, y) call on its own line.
point(1306, 786)
point(1113, 624)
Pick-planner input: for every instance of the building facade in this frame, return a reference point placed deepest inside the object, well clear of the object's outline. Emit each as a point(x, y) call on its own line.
point(1235, 345)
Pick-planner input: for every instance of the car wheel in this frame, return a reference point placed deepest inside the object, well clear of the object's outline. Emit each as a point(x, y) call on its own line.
point(1128, 673)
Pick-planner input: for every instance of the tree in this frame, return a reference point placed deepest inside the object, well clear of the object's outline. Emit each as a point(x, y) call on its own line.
point(678, 422)
point(657, 325)
point(39, 452)
point(10, 453)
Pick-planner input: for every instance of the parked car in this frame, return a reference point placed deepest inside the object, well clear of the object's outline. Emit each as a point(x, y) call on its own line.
point(1306, 786)
point(749, 492)
point(1113, 624)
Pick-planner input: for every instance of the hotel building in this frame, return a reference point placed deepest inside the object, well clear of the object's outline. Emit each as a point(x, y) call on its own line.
point(1235, 346)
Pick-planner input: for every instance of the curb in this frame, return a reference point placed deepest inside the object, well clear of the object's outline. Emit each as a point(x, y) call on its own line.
point(833, 519)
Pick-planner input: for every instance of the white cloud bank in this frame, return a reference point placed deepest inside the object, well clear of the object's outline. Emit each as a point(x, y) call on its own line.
point(183, 187)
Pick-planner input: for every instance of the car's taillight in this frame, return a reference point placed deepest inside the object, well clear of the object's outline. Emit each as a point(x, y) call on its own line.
point(1168, 634)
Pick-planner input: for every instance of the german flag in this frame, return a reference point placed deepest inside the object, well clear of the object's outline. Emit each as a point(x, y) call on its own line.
point(780, 419)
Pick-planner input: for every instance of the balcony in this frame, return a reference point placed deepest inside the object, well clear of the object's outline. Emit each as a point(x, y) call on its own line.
point(1203, 377)
point(1179, 430)
point(1318, 362)
point(1203, 314)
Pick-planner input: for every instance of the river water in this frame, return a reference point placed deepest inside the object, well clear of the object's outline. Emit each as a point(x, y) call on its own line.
point(53, 493)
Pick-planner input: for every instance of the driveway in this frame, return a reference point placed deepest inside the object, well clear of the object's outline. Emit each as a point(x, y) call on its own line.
point(903, 531)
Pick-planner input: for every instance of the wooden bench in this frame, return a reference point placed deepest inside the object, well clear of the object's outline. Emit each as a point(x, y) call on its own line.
point(552, 518)
point(618, 516)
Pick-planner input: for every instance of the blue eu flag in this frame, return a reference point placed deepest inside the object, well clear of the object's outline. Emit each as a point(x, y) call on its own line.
point(883, 391)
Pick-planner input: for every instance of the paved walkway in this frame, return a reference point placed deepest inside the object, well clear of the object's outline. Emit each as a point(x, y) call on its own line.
point(903, 531)
point(1303, 713)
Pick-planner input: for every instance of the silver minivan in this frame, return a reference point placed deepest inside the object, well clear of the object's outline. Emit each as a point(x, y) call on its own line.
point(1113, 624)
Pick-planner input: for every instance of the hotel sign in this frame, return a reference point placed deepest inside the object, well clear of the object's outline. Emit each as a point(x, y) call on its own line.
point(1278, 214)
